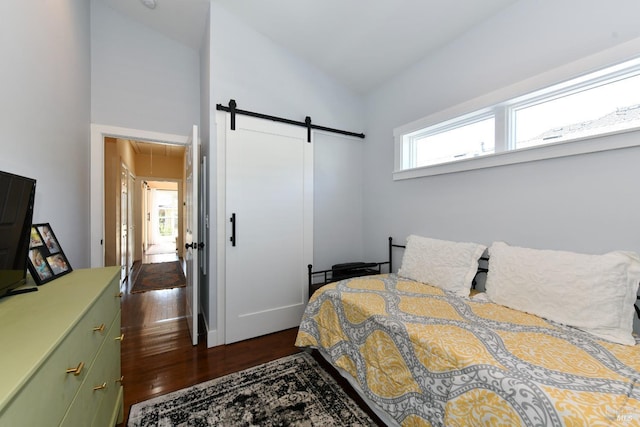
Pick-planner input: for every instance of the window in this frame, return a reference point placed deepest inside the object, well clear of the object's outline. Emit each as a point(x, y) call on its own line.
point(600, 103)
point(608, 107)
point(462, 141)
point(167, 214)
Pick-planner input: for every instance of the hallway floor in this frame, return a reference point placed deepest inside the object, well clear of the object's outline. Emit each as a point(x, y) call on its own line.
point(162, 252)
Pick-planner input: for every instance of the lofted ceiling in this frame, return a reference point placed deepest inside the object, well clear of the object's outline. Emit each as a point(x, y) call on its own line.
point(363, 43)
point(360, 43)
point(181, 20)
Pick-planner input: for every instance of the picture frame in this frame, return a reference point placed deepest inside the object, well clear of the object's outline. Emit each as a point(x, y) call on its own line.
point(47, 261)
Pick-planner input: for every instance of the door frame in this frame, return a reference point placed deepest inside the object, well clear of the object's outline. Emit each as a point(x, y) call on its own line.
point(125, 217)
point(143, 212)
point(191, 220)
point(96, 217)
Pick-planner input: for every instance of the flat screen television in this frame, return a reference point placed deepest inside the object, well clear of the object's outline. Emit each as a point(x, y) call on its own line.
point(17, 195)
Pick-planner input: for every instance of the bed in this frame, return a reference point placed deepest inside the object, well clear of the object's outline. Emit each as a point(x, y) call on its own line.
point(422, 348)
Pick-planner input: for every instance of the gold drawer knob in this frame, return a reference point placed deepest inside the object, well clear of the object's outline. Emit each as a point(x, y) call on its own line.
point(76, 371)
point(120, 338)
point(119, 380)
point(100, 387)
point(99, 328)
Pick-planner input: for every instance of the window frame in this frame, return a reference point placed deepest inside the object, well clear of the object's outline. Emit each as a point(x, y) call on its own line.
point(504, 103)
point(410, 140)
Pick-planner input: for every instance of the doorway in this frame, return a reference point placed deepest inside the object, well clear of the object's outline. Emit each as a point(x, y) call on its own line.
point(161, 226)
point(143, 193)
point(164, 309)
point(99, 173)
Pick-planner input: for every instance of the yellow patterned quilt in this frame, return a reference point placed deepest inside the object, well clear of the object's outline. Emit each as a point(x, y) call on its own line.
point(430, 358)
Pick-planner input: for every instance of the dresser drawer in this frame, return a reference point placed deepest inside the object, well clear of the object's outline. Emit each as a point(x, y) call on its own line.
point(51, 389)
point(102, 314)
point(82, 344)
point(101, 385)
point(111, 405)
point(111, 413)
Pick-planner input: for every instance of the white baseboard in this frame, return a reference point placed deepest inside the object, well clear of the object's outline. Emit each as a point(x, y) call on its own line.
point(212, 335)
point(212, 338)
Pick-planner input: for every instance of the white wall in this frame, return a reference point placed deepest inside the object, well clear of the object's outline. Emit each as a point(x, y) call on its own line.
point(140, 78)
point(582, 203)
point(337, 224)
point(586, 203)
point(44, 112)
point(261, 76)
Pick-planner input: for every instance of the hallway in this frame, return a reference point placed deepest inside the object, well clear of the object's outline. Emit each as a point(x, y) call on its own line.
point(161, 252)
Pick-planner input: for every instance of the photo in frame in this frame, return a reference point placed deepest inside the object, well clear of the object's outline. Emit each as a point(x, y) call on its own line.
point(47, 261)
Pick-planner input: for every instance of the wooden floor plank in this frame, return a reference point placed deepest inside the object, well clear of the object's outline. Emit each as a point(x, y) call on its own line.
point(158, 358)
point(157, 355)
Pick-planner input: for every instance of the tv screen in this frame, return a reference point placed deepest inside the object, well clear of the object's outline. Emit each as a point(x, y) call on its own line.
point(16, 212)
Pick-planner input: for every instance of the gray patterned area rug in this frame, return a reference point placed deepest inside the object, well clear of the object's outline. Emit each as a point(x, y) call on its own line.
point(291, 391)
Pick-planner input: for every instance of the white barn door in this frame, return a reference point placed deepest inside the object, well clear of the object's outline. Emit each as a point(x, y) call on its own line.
point(269, 232)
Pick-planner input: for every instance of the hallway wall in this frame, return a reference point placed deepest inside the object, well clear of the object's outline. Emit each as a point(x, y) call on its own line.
point(144, 167)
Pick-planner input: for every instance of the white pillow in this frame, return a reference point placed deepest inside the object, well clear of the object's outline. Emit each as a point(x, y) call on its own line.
point(594, 293)
point(450, 266)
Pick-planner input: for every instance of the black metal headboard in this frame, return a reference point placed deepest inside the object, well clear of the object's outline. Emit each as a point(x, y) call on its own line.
point(340, 271)
point(391, 246)
point(378, 266)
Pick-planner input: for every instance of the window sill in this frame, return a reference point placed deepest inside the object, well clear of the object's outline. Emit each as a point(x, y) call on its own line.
point(590, 144)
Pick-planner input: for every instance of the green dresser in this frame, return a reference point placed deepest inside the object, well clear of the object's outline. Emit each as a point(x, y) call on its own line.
point(60, 352)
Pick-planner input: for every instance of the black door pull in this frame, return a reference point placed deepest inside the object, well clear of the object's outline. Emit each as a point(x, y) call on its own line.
point(233, 229)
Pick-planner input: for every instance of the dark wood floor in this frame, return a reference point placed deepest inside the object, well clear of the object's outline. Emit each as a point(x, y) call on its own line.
point(157, 355)
point(158, 358)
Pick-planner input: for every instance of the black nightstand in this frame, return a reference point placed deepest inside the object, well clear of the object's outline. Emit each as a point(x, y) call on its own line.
point(348, 270)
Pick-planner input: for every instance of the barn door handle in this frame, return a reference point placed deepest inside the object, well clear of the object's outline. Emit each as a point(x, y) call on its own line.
point(233, 229)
